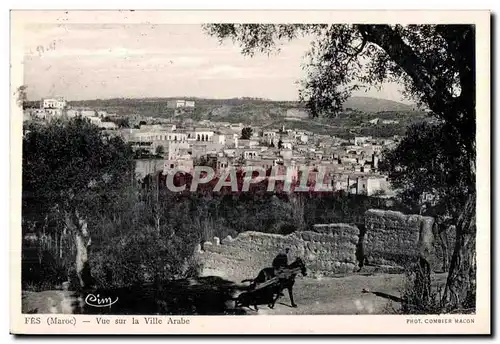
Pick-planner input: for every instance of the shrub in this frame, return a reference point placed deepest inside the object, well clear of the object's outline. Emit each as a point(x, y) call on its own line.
point(413, 300)
point(143, 256)
point(40, 269)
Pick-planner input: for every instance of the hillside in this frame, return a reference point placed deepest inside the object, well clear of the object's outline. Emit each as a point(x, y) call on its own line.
point(267, 113)
point(233, 109)
point(371, 105)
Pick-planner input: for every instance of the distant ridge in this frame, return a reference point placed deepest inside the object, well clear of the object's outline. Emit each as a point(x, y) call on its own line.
point(364, 104)
point(371, 105)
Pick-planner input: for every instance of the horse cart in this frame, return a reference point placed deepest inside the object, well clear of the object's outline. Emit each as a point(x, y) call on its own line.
point(266, 292)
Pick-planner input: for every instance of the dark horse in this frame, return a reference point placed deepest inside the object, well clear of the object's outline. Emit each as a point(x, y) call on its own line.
point(285, 282)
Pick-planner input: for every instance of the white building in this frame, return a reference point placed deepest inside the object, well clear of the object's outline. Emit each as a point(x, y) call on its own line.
point(53, 103)
point(150, 127)
point(242, 143)
point(371, 184)
point(269, 133)
point(302, 138)
point(160, 136)
point(286, 144)
point(95, 120)
point(219, 138)
point(390, 121)
point(250, 154)
point(72, 113)
point(53, 106)
point(87, 113)
point(181, 103)
point(360, 140)
point(108, 125)
point(39, 113)
point(286, 154)
point(176, 150)
point(203, 134)
point(236, 126)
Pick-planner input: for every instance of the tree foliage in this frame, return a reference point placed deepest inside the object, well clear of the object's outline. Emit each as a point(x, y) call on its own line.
point(428, 162)
point(70, 163)
point(160, 150)
point(22, 97)
point(121, 122)
point(246, 133)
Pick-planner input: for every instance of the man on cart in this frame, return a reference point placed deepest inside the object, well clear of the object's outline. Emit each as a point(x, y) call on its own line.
point(280, 262)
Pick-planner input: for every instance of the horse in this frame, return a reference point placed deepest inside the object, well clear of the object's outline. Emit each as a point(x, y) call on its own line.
point(283, 282)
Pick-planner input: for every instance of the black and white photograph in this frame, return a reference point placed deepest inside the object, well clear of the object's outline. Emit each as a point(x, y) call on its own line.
point(237, 169)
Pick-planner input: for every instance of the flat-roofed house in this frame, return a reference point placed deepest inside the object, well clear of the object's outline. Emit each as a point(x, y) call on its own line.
point(95, 120)
point(108, 125)
point(180, 103)
point(87, 113)
point(53, 106)
point(369, 185)
point(203, 134)
point(219, 138)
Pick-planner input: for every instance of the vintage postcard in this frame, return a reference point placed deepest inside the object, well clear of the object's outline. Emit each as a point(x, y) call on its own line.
point(250, 172)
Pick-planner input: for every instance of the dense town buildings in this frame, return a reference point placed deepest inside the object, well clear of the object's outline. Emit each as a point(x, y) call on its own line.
point(165, 146)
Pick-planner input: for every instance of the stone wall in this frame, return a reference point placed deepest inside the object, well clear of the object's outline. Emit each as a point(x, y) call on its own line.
point(388, 239)
point(395, 239)
point(326, 249)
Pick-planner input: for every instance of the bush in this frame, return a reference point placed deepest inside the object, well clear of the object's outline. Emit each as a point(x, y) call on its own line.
point(144, 238)
point(41, 270)
point(413, 300)
point(143, 256)
point(428, 302)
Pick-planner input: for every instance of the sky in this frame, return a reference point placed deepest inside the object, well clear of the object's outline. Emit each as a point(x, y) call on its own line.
point(90, 61)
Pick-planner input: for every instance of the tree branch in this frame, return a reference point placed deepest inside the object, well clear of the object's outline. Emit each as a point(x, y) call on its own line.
point(359, 50)
point(461, 46)
point(458, 111)
point(437, 97)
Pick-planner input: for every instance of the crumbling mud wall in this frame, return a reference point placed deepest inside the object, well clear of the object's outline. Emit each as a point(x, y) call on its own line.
point(389, 240)
point(394, 239)
point(327, 249)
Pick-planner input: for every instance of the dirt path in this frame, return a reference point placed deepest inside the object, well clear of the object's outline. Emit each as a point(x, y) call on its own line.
point(314, 296)
point(342, 295)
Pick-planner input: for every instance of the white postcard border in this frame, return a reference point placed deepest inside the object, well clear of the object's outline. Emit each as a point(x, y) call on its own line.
point(272, 324)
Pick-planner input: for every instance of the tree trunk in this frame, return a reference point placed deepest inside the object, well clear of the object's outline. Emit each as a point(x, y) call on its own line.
point(60, 245)
point(443, 241)
point(422, 289)
point(422, 285)
point(460, 290)
point(441, 234)
point(78, 227)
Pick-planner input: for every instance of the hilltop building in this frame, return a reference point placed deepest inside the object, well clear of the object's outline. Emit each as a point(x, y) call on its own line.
point(53, 106)
point(181, 104)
